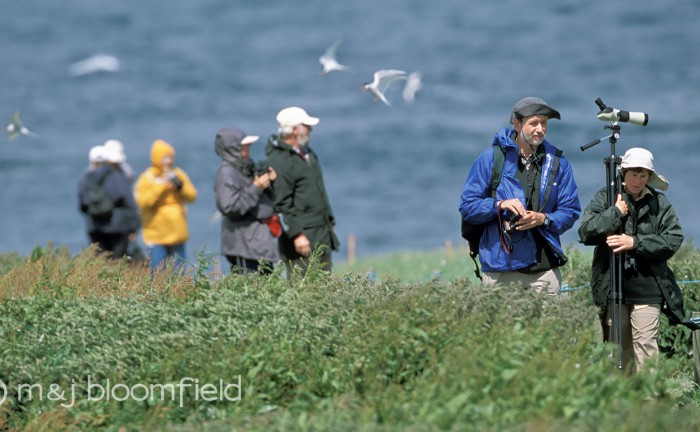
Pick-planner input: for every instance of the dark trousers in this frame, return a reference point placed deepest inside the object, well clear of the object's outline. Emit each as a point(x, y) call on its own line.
point(242, 265)
point(115, 244)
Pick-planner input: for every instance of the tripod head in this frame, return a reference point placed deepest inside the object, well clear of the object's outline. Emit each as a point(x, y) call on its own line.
point(607, 113)
point(614, 115)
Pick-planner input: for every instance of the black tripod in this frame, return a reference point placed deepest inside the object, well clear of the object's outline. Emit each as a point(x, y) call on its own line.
point(614, 185)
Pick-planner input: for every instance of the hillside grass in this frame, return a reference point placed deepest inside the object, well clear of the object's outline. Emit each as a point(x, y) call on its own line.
point(405, 351)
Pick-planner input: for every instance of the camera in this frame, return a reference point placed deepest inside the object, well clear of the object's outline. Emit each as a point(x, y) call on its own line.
point(511, 222)
point(175, 180)
point(261, 168)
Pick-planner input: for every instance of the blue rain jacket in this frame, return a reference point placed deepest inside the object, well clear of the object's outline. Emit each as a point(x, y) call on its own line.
point(477, 207)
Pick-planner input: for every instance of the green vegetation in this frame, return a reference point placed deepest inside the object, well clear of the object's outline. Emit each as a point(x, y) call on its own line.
point(339, 352)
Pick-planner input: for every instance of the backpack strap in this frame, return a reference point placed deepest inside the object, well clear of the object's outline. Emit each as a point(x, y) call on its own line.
point(552, 175)
point(102, 177)
point(499, 159)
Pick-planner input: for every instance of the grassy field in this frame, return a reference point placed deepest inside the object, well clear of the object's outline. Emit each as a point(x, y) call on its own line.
point(401, 349)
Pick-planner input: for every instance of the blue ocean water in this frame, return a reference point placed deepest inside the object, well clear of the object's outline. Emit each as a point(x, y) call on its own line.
point(394, 175)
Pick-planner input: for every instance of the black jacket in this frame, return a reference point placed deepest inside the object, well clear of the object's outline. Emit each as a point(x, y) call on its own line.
point(125, 217)
point(658, 235)
point(300, 197)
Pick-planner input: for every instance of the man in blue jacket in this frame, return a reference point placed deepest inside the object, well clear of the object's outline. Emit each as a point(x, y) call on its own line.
point(536, 201)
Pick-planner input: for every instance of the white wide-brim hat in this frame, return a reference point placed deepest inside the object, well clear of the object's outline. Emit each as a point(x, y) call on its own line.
point(115, 149)
point(637, 157)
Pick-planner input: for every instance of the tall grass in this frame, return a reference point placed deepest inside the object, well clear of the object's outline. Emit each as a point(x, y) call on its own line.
point(338, 352)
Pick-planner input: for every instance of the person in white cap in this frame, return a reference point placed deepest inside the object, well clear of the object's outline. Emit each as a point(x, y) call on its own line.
point(244, 198)
point(107, 201)
point(117, 147)
point(642, 226)
point(300, 198)
point(95, 157)
point(535, 201)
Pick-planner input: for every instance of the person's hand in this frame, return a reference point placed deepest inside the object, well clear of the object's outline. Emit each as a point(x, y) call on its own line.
point(166, 181)
point(514, 205)
point(620, 242)
point(530, 220)
point(263, 181)
point(302, 245)
point(273, 174)
point(621, 205)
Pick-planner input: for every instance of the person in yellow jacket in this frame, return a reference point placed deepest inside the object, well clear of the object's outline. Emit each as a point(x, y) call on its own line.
point(161, 192)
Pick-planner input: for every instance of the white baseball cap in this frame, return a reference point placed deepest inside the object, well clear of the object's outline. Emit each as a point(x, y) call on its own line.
point(249, 139)
point(637, 157)
point(294, 116)
point(97, 154)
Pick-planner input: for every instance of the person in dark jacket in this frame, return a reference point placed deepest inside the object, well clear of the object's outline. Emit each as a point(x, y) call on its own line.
point(642, 226)
point(243, 196)
point(542, 196)
point(300, 197)
point(112, 233)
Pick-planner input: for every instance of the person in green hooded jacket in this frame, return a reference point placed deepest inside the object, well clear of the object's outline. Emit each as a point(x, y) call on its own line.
point(642, 226)
point(299, 195)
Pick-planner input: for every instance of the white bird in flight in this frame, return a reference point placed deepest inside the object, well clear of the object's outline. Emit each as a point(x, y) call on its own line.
point(329, 61)
point(413, 84)
point(96, 63)
point(382, 80)
point(16, 128)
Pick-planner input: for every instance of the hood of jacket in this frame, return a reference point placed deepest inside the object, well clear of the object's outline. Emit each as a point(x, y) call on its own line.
point(276, 143)
point(159, 150)
point(228, 146)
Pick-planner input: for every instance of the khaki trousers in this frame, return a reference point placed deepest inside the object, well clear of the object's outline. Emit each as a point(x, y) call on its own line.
point(548, 281)
point(640, 333)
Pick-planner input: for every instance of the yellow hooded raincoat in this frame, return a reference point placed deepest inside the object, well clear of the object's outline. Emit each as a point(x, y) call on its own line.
point(163, 211)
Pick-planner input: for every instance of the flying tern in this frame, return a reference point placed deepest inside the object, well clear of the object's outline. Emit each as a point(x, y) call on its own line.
point(16, 128)
point(96, 63)
point(382, 80)
point(329, 61)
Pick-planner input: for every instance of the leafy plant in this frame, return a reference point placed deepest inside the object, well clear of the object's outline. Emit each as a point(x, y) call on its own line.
point(322, 352)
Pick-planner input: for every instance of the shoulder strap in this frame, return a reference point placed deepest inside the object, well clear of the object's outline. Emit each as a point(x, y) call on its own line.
point(102, 177)
point(499, 158)
point(552, 175)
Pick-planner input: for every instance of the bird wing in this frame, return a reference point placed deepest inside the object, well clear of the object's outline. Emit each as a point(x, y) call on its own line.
point(15, 127)
point(330, 52)
point(413, 84)
point(384, 78)
point(328, 59)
